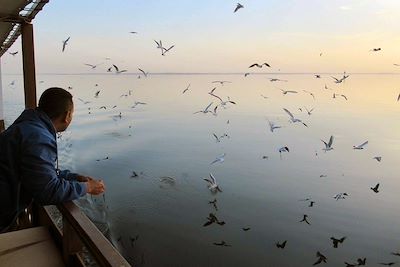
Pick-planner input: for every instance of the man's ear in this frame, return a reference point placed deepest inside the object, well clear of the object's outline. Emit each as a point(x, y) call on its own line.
point(67, 116)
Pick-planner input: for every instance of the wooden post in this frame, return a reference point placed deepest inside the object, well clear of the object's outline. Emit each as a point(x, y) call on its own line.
point(71, 243)
point(28, 59)
point(2, 128)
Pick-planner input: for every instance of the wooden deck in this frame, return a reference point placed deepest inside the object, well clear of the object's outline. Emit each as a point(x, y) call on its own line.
point(45, 244)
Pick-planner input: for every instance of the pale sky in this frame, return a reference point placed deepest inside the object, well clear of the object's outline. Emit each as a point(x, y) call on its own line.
point(209, 37)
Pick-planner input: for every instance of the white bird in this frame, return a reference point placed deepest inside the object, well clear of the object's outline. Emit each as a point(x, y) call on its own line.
point(272, 126)
point(360, 146)
point(263, 96)
point(238, 6)
point(378, 158)
point(221, 82)
point(205, 111)
point(117, 71)
point(260, 65)
point(288, 91)
point(276, 80)
point(328, 146)
point(292, 118)
point(13, 53)
point(93, 66)
point(311, 94)
point(136, 103)
point(340, 196)
point(219, 159)
point(212, 184)
point(83, 101)
point(309, 111)
point(187, 88)
point(144, 73)
point(216, 138)
point(283, 150)
point(65, 42)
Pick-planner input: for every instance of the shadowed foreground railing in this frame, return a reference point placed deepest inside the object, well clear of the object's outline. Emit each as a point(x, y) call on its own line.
point(77, 231)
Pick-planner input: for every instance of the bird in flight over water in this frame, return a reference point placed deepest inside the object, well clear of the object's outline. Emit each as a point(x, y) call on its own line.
point(238, 6)
point(65, 42)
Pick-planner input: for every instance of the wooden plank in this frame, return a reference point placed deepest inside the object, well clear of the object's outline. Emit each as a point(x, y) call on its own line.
point(71, 243)
point(28, 59)
point(44, 219)
point(100, 248)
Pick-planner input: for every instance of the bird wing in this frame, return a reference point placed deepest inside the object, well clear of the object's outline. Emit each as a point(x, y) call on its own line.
point(115, 67)
point(337, 80)
point(289, 113)
point(330, 141)
point(209, 105)
point(90, 65)
point(144, 73)
point(398, 98)
point(253, 65)
point(266, 64)
point(216, 137)
point(217, 97)
point(363, 144)
point(214, 181)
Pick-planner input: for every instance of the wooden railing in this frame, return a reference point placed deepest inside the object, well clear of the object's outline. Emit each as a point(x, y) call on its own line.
point(77, 231)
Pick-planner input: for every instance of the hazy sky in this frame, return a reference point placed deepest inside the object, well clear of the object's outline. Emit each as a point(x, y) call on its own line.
point(209, 37)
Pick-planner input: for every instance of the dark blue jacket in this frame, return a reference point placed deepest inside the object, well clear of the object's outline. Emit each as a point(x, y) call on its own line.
point(28, 155)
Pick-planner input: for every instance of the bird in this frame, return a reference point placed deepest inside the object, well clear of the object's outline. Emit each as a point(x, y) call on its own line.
point(221, 82)
point(292, 118)
point(144, 73)
point(213, 219)
point(340, 196)
point(377, 158)
point(309, 111)
point(263, 96)
point(281, 245)
point(398, 65)
point(395, 253)
point(187, 88)
point(222, 244)
point(336, 241)
point(83, 101)
point(168, 180)
point(260, 65)
point(311, 204)
point(328, 146)
point(272, 126)
point(361, 261)
point(214, 203)
point(375, 189)
point(317, 76)
point(375, 49)
point(96, 95)
point(246, 229)
point(133, 32)
point(344, 96)
point(13, 53)
point(216, 138)
point(238, 6)
point(219, 159)
point(165, 50)
point(117, 71)
point(282, 150)
point(311, 94)
point(136, 103)
point(206, 110)
point(350, 264)
point(276, 80)
point(93, 66)
point(65, 42)
point(359, 147)
point(321, 258)
point(387, 263)
point(398, 98)
point(212, 184)
point(246, 74)
point(305, 216)
point(288, 91)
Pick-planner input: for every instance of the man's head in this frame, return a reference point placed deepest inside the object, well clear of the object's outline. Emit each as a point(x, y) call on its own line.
point(58, 105)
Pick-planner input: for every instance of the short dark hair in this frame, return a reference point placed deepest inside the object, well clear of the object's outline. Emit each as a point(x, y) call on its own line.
point(55, 102)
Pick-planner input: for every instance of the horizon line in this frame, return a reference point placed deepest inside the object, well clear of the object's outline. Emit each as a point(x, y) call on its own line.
point(215, 73)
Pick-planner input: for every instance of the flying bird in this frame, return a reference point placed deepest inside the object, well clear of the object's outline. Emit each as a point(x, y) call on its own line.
point(336, 241)
point(359, 147)
point(311, 94)
point(221, 82)
point(305, 216)
point(222, 244)
point(219, 159)
point(13, 53)
point(212, 184)
point(375, 189)
point(117, 71)
point(288, 91)
point(213, 219)
point(321, 258)
point(65, 42)
point(276, 80)
point(260, 65)
point(340, 196)
point(238, 6)
point(144, 73)
point(377, 158)
point(272, 126)
point(187, 88)
point(398, 98)
point(292, 118)
point(328, 146)
point(375, 49)
point(92, 66)
point(281, 245)
point(205, 111)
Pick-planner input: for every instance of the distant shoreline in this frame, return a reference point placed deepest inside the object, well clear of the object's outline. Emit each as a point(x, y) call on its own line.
point(219, 73)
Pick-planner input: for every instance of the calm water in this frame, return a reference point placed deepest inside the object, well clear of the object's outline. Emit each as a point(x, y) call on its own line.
point(165, 138)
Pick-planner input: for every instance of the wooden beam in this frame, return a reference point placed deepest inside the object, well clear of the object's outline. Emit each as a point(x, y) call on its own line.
point(28, 59)
point(2, 127)
point(98, 246)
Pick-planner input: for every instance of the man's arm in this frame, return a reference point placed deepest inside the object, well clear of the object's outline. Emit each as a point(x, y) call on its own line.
point(39, 176)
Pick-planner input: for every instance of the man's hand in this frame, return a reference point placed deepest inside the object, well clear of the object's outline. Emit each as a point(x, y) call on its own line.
point(95, 187)
point(81, 178)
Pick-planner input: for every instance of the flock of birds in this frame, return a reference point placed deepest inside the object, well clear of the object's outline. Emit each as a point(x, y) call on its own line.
point(219, 103)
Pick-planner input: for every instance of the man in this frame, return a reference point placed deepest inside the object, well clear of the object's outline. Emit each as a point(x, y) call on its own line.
point(28, 159)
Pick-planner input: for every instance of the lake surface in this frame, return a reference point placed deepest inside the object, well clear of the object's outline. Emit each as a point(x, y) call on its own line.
point(261, 189)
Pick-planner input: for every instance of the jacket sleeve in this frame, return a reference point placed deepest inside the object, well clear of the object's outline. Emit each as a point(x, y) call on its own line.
point(39, 176)
point(67, 175)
